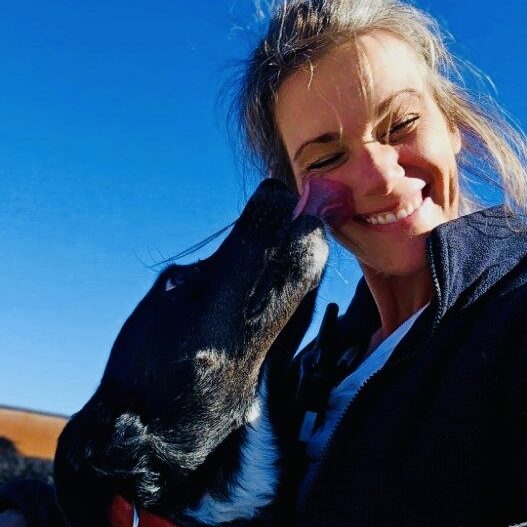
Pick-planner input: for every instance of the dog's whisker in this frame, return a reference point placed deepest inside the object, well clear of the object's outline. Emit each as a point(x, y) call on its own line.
point(193, 248)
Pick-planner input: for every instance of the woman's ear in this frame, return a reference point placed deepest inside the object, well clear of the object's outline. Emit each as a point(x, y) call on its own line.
point(455, 137)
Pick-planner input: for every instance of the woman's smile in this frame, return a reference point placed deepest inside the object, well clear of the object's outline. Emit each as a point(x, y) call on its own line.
point(403, 210)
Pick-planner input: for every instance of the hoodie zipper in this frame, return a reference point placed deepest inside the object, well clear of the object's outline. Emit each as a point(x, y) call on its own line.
point(435, 323)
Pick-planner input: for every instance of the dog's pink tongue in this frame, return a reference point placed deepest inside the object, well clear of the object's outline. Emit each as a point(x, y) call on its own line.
point(331, 201)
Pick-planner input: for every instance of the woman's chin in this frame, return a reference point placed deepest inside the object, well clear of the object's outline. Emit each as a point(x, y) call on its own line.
point(397, 257)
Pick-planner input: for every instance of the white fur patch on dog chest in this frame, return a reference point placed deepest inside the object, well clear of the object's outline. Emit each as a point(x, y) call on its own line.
point(254, 486)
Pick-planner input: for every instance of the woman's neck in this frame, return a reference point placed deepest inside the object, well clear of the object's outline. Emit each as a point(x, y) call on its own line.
point(398, 297)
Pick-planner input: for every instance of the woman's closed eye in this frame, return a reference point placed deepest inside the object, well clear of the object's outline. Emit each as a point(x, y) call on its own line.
point(400, 127)
point(326, 162)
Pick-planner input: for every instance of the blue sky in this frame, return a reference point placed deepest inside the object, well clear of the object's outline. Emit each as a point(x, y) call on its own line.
point(113, 155)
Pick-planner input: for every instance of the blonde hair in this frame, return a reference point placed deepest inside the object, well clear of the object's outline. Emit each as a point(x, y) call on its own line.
point(300, 31)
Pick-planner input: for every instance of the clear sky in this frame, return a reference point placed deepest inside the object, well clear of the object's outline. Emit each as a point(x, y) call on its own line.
point(113, 155)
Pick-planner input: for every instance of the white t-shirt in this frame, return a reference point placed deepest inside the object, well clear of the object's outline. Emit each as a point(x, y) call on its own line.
point(344, 393)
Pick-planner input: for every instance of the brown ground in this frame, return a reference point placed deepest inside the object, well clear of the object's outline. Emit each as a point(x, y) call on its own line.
point(33, 434)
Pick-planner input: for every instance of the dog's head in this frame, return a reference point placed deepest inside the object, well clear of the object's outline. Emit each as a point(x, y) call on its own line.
point(185, 368)
point(193, 348)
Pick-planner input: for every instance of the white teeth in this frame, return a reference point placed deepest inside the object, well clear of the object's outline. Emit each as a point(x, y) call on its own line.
point(392, 217)
point(417, 202)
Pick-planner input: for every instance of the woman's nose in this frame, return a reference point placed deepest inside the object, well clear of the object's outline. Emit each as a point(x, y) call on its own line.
point(373, 169)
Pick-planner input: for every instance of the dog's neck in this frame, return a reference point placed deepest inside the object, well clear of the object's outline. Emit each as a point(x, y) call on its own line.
point(254, 485)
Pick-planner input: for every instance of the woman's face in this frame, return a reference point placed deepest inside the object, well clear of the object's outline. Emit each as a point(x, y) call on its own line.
point(384, 143)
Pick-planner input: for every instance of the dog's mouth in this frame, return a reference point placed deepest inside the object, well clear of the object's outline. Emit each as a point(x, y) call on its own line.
point(290, 270)
point(278, 257)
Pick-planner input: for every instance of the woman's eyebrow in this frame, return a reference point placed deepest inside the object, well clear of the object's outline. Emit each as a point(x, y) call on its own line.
point(384, 107)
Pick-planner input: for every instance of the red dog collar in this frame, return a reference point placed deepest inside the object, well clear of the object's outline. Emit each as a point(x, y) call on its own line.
point(124, 514)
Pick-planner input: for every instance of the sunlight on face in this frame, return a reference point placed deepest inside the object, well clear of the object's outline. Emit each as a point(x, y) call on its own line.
point(373, 126)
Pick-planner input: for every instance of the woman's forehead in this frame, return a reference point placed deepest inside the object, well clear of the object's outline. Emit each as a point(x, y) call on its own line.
point(349, 82)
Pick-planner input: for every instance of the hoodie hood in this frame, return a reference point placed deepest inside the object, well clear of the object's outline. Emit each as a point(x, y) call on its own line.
point(471, 254)
point(467, 257)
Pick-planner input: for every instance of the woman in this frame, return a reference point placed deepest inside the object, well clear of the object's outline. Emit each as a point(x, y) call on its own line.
point(413, 408)
point(423, 420)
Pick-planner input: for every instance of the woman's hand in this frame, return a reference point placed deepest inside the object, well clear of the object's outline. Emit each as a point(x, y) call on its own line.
point(12, 518)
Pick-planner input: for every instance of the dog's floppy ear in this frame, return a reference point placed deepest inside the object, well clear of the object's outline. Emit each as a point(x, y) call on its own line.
point(103, 452)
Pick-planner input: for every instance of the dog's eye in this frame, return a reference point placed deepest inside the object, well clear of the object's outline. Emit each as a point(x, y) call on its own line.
point(171, 283)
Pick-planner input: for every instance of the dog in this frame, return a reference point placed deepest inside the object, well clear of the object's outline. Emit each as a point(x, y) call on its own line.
point(15, 465)
point(183, 428)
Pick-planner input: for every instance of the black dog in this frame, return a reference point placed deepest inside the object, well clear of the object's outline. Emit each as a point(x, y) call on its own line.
point(183, 422)
point(15, 465)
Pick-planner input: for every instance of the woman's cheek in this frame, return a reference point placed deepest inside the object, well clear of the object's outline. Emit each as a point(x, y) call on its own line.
point(331, 200)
